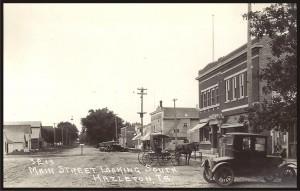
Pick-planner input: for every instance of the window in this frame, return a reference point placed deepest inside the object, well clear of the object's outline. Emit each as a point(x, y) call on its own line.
point(213, 96)
point(242, 85)
point(217, 95)
point(204, 98)
point(227, 91)
point(246, 143)
point(234, 88)
point(260, 144)
point(229, 140)
point(185, 124)
point(26, 143)
point(176, 130)
point(208, 98)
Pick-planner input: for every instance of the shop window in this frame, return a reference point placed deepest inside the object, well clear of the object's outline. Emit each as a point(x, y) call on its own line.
point(205, 133)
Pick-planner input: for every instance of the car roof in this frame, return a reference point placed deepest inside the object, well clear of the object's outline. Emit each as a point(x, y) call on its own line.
point(248, 134)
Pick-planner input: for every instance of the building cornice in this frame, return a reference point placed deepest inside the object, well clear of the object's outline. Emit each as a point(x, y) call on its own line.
point(228, 60)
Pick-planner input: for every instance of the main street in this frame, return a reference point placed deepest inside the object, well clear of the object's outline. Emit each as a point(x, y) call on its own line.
point(93, 168)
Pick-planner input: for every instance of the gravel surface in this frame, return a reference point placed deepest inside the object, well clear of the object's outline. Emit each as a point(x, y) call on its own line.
point(100, 169)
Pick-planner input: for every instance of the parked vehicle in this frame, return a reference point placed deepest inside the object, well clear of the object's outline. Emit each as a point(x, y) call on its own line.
point(111, 146)
point(246, 155)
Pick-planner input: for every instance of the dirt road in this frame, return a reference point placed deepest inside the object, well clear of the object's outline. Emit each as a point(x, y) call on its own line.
point(101, 169)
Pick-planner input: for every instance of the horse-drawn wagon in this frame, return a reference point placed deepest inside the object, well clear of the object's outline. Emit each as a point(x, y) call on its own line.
point(156, 155)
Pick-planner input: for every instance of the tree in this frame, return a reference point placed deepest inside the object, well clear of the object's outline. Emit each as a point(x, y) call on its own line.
point(279, 22)
point(67, 133)
point(100, 126)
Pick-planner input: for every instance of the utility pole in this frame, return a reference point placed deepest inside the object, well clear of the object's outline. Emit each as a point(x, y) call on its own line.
point(249, 67)
point(54, 134)
point(62, 135)
point(116, 126)
point(175, 128)
point(213, 39)
point(142, 113)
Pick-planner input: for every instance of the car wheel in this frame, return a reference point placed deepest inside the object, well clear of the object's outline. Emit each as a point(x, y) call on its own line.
point(269, 178)
point(207, 175)
point(288, 175)
point(224, 176)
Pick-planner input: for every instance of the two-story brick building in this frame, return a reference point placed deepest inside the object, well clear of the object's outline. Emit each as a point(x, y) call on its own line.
point(223, 91)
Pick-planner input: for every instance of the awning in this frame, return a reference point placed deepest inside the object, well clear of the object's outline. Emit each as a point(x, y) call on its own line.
point(196, 128)
point(160, 135)
point(229, 125)
point(146, 137)
point(136, 137)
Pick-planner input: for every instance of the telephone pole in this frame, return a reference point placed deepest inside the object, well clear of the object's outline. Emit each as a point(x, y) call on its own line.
point(175, 128)
point(142, 113)
point(54, 134)
point(249, 67)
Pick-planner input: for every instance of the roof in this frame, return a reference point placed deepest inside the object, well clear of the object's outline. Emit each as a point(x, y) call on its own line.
point(16, 133)
point(31, 123)
point(224, 58)
point(7, 139)
point(17, 128)
point(181, 112)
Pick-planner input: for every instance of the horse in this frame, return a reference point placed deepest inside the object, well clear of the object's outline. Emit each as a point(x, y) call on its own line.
point(187, 150)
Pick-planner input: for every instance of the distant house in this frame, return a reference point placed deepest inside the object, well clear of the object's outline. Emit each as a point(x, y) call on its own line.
point(127, 133)
point(16, 138)
point(26, 133)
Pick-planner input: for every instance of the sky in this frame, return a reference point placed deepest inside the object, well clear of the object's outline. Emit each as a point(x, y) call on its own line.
point(61, 60)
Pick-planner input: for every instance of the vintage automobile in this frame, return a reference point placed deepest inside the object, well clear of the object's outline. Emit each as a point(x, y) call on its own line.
point(245, 154)
point(112, 146)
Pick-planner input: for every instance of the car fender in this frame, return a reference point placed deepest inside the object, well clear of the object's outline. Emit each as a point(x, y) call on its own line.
point(218, 165)
point(208, 161)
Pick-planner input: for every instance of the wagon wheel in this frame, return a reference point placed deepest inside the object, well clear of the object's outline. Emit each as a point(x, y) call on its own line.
point(224, 176)
point(164, 159)
point(140, 157)
point(149, 159)
point(288, 175)
point(177, 159)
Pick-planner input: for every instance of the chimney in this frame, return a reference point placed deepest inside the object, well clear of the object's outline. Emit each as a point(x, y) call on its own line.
point(160, 103)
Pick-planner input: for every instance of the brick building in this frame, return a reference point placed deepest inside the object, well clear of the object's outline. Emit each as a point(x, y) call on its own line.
point(223, 92)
